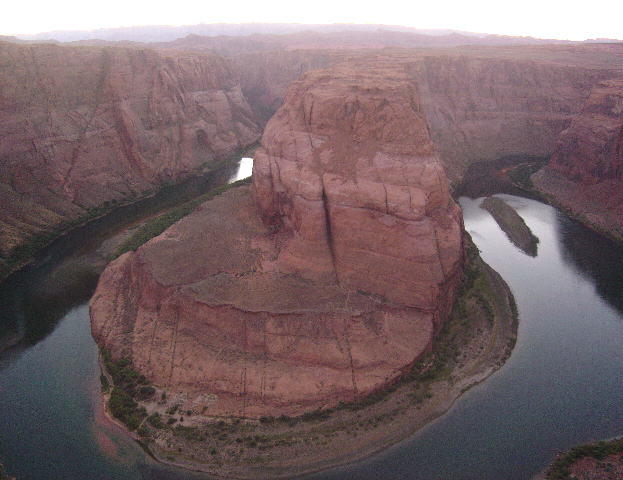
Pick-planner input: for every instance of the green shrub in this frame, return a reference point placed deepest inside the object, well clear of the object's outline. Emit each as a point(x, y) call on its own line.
point(105, 383)
point(559, 469)
point(124, 408)
point(155, 420)
point(145, 392)
point(189, 433)
point(316, 415)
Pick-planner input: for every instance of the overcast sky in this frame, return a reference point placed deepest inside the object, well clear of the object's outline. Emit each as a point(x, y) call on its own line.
point(563, 19)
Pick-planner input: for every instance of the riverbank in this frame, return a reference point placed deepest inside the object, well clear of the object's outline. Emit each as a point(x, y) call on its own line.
point(595, 461)
point(525, 176)
point(588, 209)
point(473, 344)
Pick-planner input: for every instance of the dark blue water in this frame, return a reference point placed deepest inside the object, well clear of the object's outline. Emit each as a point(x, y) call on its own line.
point(563, 384)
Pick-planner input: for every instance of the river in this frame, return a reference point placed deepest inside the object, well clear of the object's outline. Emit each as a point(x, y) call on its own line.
point(561, 386)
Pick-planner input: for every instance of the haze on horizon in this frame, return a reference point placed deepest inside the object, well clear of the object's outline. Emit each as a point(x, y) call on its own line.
point(555, 19)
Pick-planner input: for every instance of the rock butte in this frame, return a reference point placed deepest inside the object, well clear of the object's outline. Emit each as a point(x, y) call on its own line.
point(322, 282)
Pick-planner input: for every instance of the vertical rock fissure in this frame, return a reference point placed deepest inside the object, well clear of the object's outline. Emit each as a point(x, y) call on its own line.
point(350, 360)
point(329, 231)
point(174, 341)
point(153, 336)
point(386, 203)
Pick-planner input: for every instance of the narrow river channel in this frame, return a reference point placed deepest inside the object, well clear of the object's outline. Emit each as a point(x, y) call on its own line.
point(562, 385)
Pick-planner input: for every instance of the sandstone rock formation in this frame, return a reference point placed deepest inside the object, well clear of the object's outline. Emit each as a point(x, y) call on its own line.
point(486, 108)
point(344, 185)
point(83, 126)
point(322, 283)
point(585, 173)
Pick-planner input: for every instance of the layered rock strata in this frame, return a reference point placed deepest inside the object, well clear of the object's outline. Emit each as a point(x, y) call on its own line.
point(585, 173)
point(84, 126)
point(487, 108)
point(323, 282)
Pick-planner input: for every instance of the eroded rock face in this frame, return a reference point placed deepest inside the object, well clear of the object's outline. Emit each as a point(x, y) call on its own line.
point(487, 108)
point(585, 173)
point(323, 282)
point(81, 126)
point(348, 175)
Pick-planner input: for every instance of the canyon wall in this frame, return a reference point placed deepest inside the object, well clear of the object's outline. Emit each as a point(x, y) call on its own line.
point(323, 282)
point(585, 173)
point(81, 126)
point(265, 77)
point(482, 109)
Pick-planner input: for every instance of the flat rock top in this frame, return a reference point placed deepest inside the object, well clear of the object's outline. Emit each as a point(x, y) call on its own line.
point(223, 236)
point(232, 262)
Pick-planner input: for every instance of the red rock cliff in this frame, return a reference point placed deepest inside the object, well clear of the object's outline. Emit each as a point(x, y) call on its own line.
point(585, 173)
point(81, 126)
point(486, 108)
point(333, 295)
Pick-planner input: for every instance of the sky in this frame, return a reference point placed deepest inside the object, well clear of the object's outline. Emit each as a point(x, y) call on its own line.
point(562, 19)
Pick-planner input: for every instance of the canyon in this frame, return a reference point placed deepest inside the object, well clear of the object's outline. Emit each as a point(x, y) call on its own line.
point(86, 127)
point(324, 282)
point(89, 126)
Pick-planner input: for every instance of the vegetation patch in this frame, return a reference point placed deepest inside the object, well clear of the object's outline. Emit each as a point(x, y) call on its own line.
point(25, 251)
point(32, 244)
point(559, 470)
point(127, 386)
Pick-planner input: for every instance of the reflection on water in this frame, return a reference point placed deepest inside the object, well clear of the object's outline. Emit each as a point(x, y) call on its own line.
point(583, 249)
point(559, 387)
point(245, 169)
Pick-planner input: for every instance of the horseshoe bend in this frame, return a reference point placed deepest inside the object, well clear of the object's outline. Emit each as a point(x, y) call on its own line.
point(323, 282)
